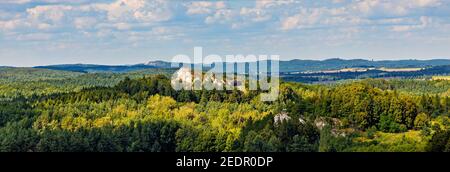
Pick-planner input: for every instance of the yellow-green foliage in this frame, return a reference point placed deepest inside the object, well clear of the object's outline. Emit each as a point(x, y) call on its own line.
point(226, 119)
point(411, 141)
point(441, 121)
point(441, 77)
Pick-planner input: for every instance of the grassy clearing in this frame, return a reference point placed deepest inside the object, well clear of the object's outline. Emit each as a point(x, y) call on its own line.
point(440, 78)
point(411, 141)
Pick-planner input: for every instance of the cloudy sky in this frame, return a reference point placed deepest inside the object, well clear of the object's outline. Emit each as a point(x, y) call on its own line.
point(39, 32)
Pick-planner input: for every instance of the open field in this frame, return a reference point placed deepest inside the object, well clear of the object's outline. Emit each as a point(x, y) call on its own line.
point(441, 77)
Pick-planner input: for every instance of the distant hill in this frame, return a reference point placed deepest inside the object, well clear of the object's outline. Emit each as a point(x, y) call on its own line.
point(90, 68)
point(94, 68)
point(285, 66)
point(159, 64)
point(323, 77)
point(333, 64)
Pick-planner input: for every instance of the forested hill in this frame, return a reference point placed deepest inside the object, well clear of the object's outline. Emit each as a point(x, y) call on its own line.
point(146, 115)
point(11, 74)
point(285, 66)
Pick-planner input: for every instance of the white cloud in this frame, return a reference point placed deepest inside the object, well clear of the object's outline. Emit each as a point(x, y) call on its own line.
point(361, 13)
point(220, 16)
point(14, 1)
point(217, 12)
point(42, 1)
point(305, 18)
point(84, 22)
point(53, 13)
point(9, 25)
point(38, 17)
point(122, 26)
point(262, 11)
point(424, 22)
point(426, 3)
point(272, 3)
point(290, 22)
point(116, 17)
point(391, 8)
point(135, 10)
point(237, 17)
point(120, 14)
point(255, 14)
point(204, 7)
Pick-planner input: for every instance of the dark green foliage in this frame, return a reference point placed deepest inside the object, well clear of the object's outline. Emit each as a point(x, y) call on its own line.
point(18, 137)
point(440, 142)
point(148, 137)
point(332, 142)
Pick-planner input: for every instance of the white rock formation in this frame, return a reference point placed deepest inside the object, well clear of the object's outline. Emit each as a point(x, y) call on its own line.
point(283, 116)
point(184, 78)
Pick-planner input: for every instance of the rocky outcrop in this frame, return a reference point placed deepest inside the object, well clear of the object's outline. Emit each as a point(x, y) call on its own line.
point(279, 118)
point(335, 125)
point(321, 122)
point(186, 78)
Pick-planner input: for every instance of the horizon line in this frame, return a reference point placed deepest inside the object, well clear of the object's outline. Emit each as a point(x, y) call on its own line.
point(166, 61)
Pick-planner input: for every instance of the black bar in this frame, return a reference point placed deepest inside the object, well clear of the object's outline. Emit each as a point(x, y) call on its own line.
point(168, 161)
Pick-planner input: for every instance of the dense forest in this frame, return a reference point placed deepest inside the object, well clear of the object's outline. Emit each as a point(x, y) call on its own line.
point(54, 111)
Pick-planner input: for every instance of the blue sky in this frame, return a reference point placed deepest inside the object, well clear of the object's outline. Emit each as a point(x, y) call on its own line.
point(41, 32)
